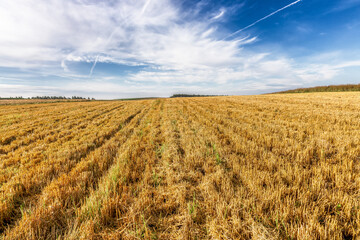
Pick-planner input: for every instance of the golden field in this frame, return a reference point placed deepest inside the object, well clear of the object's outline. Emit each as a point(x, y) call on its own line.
point(34, 101)
point(282, 166)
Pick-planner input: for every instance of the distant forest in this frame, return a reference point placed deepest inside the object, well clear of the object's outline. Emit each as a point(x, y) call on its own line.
point(330, 88)
point(193, 95)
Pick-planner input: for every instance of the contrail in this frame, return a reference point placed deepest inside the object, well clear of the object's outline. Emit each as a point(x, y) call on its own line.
point(261, 19)
point(145, 7)
point(112, 34)
point(97, 57)
point(93, 66)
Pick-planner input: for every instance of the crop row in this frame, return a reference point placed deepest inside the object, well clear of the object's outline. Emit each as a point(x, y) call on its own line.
point(56, 158)
point(262, 167)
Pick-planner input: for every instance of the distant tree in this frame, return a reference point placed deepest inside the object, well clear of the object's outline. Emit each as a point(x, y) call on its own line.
point(192, 95)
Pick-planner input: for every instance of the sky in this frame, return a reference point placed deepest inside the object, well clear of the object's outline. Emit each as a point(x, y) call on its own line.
point(110, 49)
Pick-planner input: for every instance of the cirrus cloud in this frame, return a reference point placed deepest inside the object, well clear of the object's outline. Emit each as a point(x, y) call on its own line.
point(174, 48)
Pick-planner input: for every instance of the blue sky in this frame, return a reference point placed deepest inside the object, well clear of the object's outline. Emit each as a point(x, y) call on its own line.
point(126, 48)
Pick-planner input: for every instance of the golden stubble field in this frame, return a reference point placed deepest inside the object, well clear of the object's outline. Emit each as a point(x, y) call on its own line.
point(260, 167)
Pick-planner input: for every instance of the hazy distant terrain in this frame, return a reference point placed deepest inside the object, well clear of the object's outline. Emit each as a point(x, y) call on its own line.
point(330, 88)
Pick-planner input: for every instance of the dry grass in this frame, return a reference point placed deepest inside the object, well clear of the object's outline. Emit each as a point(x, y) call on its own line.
point(33, 101)
point(259, 167)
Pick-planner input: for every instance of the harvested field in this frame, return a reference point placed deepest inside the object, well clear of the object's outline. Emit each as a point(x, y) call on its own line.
point(34, 101)
point(280, 166)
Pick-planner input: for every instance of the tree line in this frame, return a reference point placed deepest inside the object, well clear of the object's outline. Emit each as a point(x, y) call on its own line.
point(193, 95)
point(330, 88)
point(48, 97)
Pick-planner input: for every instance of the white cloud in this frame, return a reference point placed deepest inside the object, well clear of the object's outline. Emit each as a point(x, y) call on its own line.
point(47, 36)
point(348, 64)
point(219, 15)
point(257, 75)
point(53, 32)
point(47, 31)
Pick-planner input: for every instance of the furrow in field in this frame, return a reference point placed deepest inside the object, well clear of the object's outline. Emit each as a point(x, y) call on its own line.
point(31, 181)
point(221, 180)
point(58, 201)
point(51, 127)
point(119, 194)
point(166, 206)
point(8, 112)
point(192, 173)
point(269, 178)
point(197, 171)
point(233, 183)
point(172, 211)
point(235, 134)
point(251, 167)
point(12, 122)
point(13, 135)
point(26, 155)
point(245, 137)
point(290, 136)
